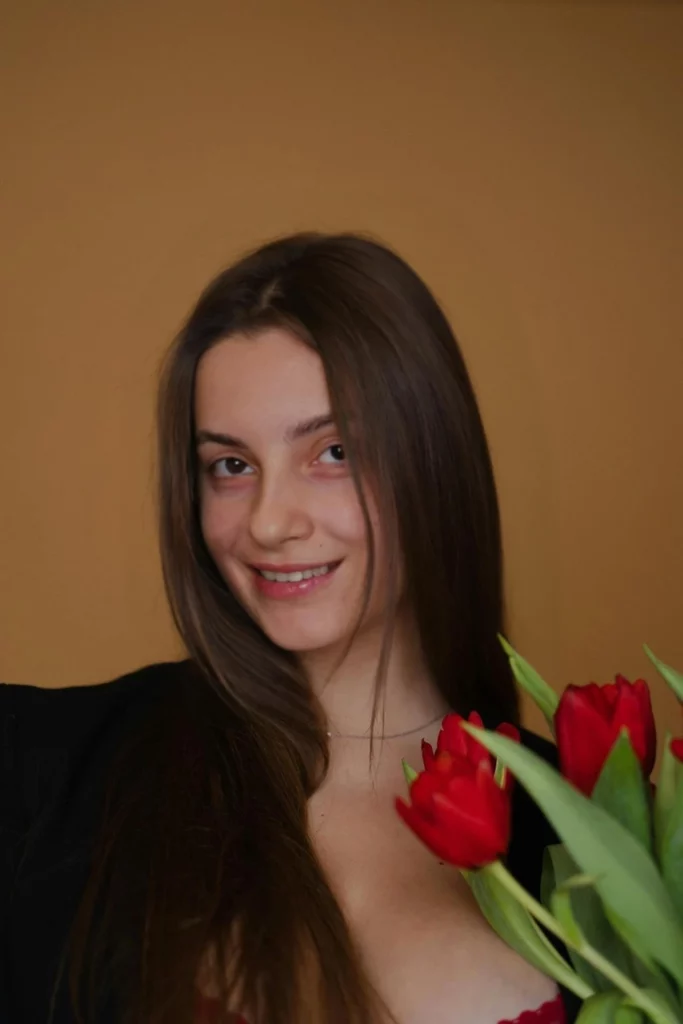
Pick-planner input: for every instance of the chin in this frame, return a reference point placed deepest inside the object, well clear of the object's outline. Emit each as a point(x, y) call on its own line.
point(303, 639)
point(301, 634)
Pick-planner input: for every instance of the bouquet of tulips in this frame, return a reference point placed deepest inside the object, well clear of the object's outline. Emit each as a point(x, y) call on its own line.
point(612, 888)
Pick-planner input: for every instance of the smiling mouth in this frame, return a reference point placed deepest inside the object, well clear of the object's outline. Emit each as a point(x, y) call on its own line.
point(297, 575)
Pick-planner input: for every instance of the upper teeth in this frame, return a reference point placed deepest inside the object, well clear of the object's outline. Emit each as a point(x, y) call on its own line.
point(294, 577)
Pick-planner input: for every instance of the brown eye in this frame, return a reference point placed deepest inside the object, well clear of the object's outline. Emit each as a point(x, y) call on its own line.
point(230, 467)
point(335, 453)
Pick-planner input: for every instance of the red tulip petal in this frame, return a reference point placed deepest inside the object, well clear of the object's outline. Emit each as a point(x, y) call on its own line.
point(452, 737)
point(506, 729)
point(468, 810)
point(427, 755)
point(439, 841)
point(608, 695)
point(633, 711)
point(677, 748)
point(584, 736)
point(473, 842)
point(444, 763)
point(479, 818)
point(497, 799)
point(592, 694)
point(476, 752)
point(478, 799)
point(422, 791)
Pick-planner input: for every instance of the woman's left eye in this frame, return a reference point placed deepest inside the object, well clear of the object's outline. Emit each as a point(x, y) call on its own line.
point(333, 455)
point(229, 467)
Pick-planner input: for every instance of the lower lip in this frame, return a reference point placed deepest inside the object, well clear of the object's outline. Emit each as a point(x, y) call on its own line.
point(284, 591)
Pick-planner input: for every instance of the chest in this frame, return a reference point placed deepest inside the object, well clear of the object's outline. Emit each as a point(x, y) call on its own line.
point(424, 942)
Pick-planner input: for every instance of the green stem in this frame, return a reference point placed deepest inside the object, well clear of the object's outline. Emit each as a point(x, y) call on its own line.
point(637, 996)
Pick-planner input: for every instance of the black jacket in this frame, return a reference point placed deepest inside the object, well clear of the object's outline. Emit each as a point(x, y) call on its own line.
point(56, 748)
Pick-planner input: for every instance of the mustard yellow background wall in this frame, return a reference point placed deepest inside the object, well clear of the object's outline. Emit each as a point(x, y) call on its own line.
point(526, 157)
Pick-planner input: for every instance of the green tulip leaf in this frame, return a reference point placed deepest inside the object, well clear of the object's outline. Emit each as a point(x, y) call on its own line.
point(631, 936)
point(591, 919)
point(515, 925)
point(561, 906)
point(612, 1008)
point(543, 695)
point(657, 1010)
point(408, 773)
point(627, 880)
point(622, 791)
point(654, 980)
point(550, 881)
point(671, 853)
point(600, 1008)
point(670, 675)
point(628, 1015)
point(580, 882)
point(670, 778)
point(597, 931)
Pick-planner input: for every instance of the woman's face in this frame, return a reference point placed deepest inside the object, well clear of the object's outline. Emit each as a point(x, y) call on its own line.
point(279, 511)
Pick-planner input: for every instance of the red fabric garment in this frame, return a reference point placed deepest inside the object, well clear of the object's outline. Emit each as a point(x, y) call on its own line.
point(551, 1012)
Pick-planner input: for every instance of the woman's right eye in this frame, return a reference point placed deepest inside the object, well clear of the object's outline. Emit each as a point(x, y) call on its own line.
point(229, 467)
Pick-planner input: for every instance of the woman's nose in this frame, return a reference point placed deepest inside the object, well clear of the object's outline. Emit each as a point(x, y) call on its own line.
point(279, 514)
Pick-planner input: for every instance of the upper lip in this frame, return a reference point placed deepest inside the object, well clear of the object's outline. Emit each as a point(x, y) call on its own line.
point(295, 567)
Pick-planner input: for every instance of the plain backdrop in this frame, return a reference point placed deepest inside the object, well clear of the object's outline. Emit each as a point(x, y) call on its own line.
point(526, 157)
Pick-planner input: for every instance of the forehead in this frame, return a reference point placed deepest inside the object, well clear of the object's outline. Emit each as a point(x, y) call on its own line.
point(261, 381)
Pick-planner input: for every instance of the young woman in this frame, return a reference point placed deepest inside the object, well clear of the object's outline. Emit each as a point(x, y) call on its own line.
point(217, 839)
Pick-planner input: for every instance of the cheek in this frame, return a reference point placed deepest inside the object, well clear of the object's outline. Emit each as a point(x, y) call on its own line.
point(341, 517)
point(352, 522)
point(221, 523)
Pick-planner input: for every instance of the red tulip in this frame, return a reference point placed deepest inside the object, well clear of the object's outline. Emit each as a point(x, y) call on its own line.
point(457, 808)
point(461, 744)
point(589, 720)
point(677, 748)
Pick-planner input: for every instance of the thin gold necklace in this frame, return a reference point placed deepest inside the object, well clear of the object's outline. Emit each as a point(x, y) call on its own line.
point(385, 736)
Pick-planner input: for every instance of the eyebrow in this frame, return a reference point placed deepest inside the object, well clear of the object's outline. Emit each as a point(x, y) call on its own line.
point(303, 429)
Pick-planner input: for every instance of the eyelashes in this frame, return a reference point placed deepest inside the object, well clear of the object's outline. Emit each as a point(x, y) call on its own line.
point(230, 467)
point(239, 468)
point(338, 459)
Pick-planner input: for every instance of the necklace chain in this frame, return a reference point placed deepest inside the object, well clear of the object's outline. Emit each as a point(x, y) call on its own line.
point(384, 736)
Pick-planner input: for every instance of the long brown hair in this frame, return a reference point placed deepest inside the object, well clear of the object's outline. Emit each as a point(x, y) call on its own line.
point(205, 845)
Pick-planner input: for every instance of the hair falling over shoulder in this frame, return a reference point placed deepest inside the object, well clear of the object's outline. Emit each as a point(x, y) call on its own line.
point(203, 867)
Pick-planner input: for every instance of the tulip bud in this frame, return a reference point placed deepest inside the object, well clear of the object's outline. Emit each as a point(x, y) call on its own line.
point(589, 720)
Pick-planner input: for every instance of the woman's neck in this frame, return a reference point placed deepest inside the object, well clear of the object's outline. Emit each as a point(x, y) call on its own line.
point(346, 685)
